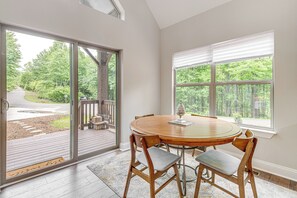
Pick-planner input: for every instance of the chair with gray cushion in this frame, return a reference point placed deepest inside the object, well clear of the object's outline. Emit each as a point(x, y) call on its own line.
point(202, 148)
point(156, 160)
point(229, 167)
point(161, 145)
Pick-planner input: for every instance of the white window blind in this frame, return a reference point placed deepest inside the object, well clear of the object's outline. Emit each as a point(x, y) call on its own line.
point(247, 47)
point(192, 57)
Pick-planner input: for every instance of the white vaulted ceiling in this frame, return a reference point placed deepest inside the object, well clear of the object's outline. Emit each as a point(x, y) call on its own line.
point(169, 12)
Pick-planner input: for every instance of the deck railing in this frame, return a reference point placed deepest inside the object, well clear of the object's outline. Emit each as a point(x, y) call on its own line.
point(89, 108)
point(108, 109)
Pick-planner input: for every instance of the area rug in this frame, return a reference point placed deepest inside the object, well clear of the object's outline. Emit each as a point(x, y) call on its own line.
point(113, 172)
point(34, 167)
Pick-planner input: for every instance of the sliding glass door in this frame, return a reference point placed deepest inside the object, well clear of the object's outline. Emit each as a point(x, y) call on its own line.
point(58, 102)
point(37, 103)
point(97, 99)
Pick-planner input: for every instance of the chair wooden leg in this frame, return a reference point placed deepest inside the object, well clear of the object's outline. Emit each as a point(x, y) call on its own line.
point(213, 176)
point(178, 181)
point(241, 186)
point(198, 182)
point(253, 184)
point(128, 182)
point(152, 188)
point(193, 153)
point(167, 147)
point(207, 173)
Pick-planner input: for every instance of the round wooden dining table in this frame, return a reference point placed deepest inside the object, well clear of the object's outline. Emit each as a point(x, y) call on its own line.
point(202, 131)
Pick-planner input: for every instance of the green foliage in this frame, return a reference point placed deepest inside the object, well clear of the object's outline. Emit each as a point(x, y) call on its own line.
point(195, 99)
point(33, 97)
point(245, 100)
point(87, 76)
point(59, 94)
point(237, 117)
point(252, 69)
point(112, 78)
point(198, 74)
point(242, 99)
point(49, 74)
point(13, 59)
point(88, 79)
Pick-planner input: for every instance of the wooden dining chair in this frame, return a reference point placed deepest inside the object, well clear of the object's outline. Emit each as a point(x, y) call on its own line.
point(143, 116)
point(226, 165)
point(161, 145)
point(157, 162)
point(202, 148)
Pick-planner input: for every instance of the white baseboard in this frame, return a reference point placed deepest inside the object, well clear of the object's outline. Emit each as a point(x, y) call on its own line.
point(275, 169)
point(124, 146)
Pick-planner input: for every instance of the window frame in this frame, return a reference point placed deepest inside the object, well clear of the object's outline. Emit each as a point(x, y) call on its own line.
point(213, 85)
point(118, 8)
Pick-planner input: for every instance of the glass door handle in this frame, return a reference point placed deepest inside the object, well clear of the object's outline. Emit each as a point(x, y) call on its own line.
point(5, 105)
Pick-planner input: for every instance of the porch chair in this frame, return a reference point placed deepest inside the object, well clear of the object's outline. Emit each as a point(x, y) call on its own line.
point(157, 162)
point(226, 165)
point(202, 148)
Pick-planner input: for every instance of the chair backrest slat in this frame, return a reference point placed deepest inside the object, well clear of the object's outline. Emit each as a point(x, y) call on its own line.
point(150, 140)
point(241, 143)
point(247, 145)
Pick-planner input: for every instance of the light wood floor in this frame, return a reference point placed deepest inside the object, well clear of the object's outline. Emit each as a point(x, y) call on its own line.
point(78, 181)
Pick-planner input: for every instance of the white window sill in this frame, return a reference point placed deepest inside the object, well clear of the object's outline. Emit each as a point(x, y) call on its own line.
point(261, 132)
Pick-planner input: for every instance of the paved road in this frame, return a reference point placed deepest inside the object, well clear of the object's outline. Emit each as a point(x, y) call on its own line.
point(20, 108)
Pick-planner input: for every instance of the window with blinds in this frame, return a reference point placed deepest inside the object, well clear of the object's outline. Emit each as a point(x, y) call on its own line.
point(248, 47)
point(232, 80)
point(192, 57)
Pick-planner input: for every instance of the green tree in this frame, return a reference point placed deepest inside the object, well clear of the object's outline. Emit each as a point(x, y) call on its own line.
point(247, 100)
point(13, 59)
point(87, 75)
point(195, 98)
point(49, 73)
point(112, 78)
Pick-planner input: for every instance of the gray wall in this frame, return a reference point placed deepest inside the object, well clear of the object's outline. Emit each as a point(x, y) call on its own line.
point(236, 19)
point(138, 36)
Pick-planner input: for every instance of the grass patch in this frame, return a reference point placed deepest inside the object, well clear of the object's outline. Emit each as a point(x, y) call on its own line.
point(61, 123)
point(33, 97)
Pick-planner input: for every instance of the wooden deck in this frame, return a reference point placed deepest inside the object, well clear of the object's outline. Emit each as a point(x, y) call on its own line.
point(32, 150)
